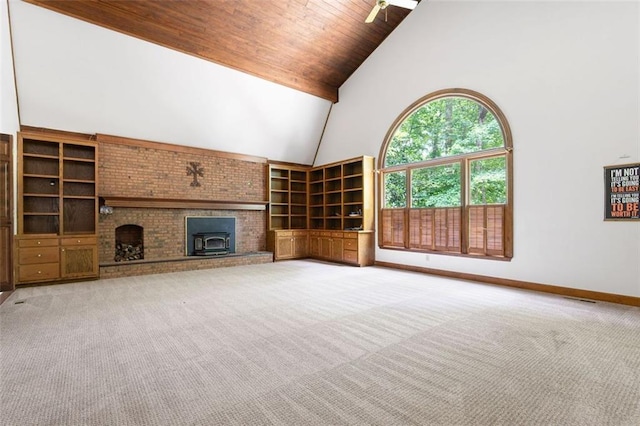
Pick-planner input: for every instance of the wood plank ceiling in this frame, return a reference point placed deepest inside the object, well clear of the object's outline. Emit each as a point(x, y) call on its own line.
point(309, 45)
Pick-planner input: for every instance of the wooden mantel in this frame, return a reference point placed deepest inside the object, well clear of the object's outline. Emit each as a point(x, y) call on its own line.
point(164, 203)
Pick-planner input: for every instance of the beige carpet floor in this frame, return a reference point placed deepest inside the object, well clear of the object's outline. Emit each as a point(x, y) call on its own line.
point(310, 343)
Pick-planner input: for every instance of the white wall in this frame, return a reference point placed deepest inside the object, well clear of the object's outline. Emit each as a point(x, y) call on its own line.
point(79, 77)
point(566, 75)
point(8, 106)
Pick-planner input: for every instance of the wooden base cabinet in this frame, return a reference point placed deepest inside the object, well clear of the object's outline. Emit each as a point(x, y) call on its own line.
point(37, 260)
point(329, 245)
point(353, 247)
point(50, 258)
point(359, 248)
point(287, 244)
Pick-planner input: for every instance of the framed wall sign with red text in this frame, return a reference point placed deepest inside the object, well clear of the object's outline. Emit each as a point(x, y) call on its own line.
point(622, 192)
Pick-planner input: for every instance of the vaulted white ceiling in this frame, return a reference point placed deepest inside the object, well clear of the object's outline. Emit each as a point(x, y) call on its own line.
point(76, 76)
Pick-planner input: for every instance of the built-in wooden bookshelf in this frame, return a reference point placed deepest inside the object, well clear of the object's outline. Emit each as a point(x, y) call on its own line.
point(57, 208)
point(316, 199)
point(338, 197)
point(287, 237)
point(287, 197)
point(341, 195)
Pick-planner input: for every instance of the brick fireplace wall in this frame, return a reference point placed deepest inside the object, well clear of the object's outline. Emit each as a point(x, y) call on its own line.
point(131, 168)
point(150, 170)
point(164, 233)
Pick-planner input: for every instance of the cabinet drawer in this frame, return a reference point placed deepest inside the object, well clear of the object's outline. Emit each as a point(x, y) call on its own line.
point(350, 244)
point(33, 255)
point(350, 256)
point(300, 233)
point(351, 235)
point(43, 272)
point(79, 241)
point(36, 242)
point(284, 234)
point(336, 234)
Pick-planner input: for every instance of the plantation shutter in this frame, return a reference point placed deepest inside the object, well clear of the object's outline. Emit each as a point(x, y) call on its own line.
point(436, 229)
point(453, 228)
point(421, 229)
point(447, 229)
point(486, 230)
point(495, 230)
point(477, 229)
point(393, 227)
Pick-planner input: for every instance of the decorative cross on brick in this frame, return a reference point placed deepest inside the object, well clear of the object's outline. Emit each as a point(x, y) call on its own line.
point(194, 169)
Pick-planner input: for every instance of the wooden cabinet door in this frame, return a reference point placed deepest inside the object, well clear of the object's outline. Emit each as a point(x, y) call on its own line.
point(300, 246)
point(336, 249)
point(284, 247)
point(314, 246)
point(79, 261)
point(325, 247)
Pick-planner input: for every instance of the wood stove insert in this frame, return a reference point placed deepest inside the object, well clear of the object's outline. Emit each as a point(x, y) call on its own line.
point(210, 235)
point(211, 243)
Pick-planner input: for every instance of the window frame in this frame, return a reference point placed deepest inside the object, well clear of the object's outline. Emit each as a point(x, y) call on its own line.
point(464, 160)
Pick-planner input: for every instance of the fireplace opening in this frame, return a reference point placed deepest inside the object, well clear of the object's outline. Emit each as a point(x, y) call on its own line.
point(129, 243)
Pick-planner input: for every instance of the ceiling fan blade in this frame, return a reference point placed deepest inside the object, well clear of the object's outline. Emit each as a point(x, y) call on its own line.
point(407, 4)
point(373, 14)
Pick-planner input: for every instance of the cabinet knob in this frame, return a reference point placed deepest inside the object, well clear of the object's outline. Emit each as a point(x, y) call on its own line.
point(39, 272)
point(79, 240)
point(62, 249)
point(38, 242)
point(39, 255)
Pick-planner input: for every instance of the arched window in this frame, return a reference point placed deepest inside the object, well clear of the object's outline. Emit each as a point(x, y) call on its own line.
point(446, 178)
